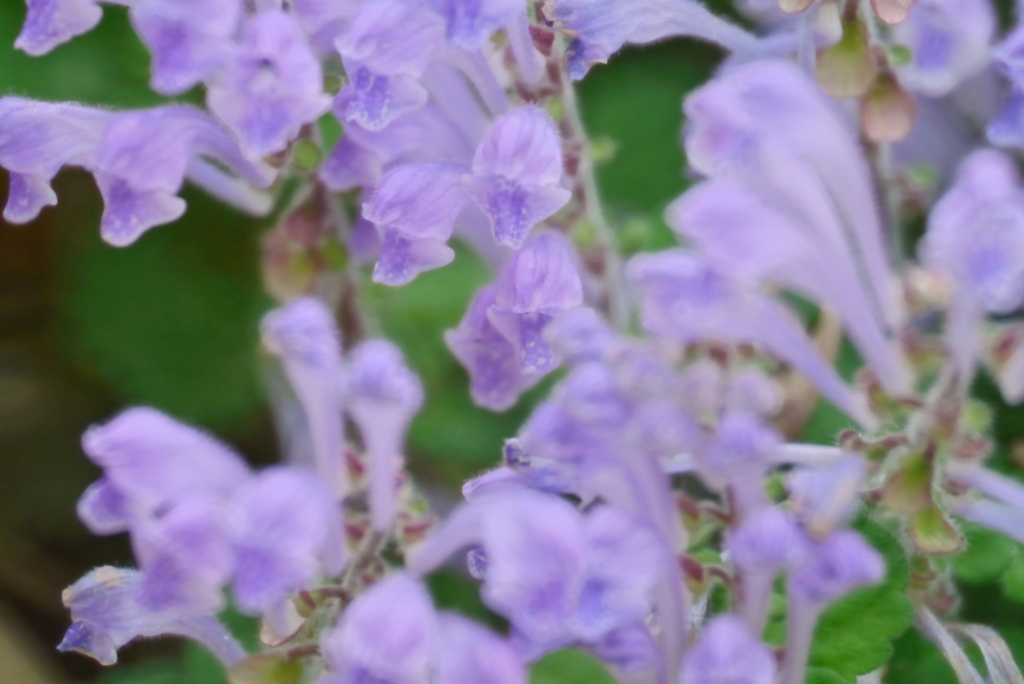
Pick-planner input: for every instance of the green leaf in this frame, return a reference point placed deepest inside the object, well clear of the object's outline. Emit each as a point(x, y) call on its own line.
point(855, 633)
point(816, 675)
point(569, 666)
point(1013, 580)
point(987, 557)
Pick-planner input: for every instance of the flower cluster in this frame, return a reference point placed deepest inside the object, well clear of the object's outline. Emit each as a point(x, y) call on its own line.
point(653, 509)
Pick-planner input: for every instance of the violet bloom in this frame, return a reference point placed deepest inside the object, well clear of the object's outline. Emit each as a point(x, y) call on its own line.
point(828, 496)
point(832, 567)
point(36, 140)
point(767, 543)
point(516, 174)
point(414, 209)
point(560, 578)
point(690, 301)
point(271, 86)
point(284, 528)
point(728, 653)
point(471, 654)
point(383, 396)
point(950, 41)
point(386, 636)
point(307, 339)
point(189, 39)
point(52, 22)
point(145, 156)
point(737, 458)
point(602, 27)
point(386, 49)
point(740, 231)
point(106, 615)
point(150, 463)
point(500, 339)
point(976, 238)
point(471, 22)
point(767, 127)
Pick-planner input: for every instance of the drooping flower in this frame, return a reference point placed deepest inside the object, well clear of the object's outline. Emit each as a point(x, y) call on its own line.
point(500, 339)
point(768, 126)
point(728, 653)
point(386, 636)
point(271, 86)
point(950, 41)
point(52, 22)
point(976, 238)
point(414, 209)
point(559, 577)
point(307, 339)
point(471, 654)
point(36, 140)
point(145, 156)
point(106, 615)
point(150, 463)
point(383, 396)
point(386, 49)
point(189, 39)
point(602, 27)
point(516, 174)
point(690, 301)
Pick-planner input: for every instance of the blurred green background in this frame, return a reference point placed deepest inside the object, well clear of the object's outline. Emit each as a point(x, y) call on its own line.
point(87, 329)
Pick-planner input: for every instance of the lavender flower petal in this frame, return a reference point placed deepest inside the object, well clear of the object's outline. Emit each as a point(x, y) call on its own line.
point(36, 140)
point(728, 653)
point(383, 396)
point(153, 462)
point(271, 86)
point(307, 339)
point(52, 22)
point(386, 636)
point(516, 174)
point(281, 524)
point(604, 26)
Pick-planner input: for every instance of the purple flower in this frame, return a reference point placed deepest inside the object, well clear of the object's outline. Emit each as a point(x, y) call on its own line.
point(604, 26)
point(728, 653)
point(516, 174)
point(950, 40)
point(52, 22)
point(471, 22)
point(305, 336)
point(496, 380)
point(764, 545)
point(415, 209)
point(284, 527)
point(739, 231)
point(145, 156)
point(186, 557)
point(690, 301)
point(36, 140)
point(976, 238)
point(387, 636)
point(768, 126)
point(471, 654)
point(107, 615)
point(834, 566)
point(428, 134)
point(271, 86)
point(189, 39)
point(324, 20)
point(500, 339)
point(827, 496)
point(385, 50)
point(383, 396)
point(560, 578)
point(150, 463)
point(579, 334)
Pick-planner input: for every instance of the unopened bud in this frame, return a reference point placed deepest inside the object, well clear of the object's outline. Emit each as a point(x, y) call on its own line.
point(887, 112)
